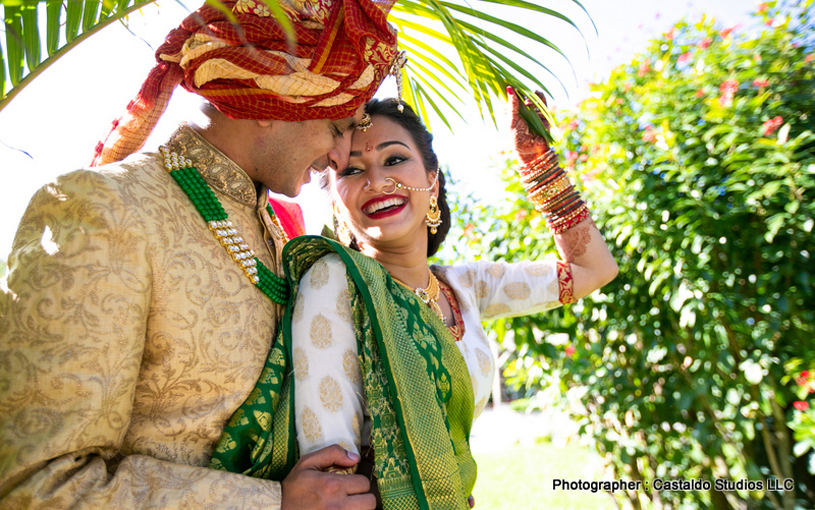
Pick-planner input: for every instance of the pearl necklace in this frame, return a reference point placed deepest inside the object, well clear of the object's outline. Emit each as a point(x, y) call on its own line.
point(428, 296)
point(203, 198)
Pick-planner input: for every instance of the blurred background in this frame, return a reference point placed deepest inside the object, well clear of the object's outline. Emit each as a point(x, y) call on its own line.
point(689, 129)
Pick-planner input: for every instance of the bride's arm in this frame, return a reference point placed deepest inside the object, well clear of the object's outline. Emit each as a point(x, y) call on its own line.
point(577, 239)
point(584, 248)
point(328, 392)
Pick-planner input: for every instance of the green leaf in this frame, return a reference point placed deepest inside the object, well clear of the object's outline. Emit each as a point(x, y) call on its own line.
point(515, 28)
point(783, 134)
point(2, 73)
point(31, 34)
point(89, 14)
point(679, 297)
point(534, 7)
point(53, 11)
point(531, 118)
point(73, 19)
point(433, 62)
point(515, 66)
point(716, 130)
point(439, 57)
point(774, 224)
point(422, 77)
point(283, 19)
point(14, 42)
point(510, 46)
point(801, 447)
point(107, 8)
point(485, 73)
point(433, 104)
point(75, 8)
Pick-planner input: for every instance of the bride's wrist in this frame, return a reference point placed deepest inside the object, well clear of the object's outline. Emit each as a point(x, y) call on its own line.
point(549, 188)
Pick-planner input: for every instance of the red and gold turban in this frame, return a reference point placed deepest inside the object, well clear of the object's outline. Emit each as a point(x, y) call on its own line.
point(343, 50)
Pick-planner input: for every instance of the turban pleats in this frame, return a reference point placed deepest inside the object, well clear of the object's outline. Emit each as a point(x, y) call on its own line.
point(343, 49)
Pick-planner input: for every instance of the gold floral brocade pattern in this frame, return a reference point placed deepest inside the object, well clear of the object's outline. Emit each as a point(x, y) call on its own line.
point(330, 394)
point(321, 336)
point(326, 393)
point(134, 336)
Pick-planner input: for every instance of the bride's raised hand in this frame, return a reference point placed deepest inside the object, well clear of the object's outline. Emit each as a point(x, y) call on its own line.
point(529, 145)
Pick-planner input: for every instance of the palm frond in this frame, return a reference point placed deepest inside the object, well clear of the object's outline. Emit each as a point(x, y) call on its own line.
point(453, 46)
point(492, 51)
point(22, 50)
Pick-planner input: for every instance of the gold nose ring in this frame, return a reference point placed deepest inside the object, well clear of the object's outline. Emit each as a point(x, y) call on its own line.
point(393, 189)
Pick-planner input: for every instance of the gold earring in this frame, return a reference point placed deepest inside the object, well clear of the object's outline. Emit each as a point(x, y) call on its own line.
point(433, 217)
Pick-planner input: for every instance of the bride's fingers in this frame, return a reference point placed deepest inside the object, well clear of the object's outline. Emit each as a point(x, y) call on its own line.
point(516, 123)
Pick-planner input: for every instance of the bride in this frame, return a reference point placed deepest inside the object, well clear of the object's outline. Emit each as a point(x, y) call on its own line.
point(389, 357)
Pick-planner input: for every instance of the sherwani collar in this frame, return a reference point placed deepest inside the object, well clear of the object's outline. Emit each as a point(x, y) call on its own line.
point(220, 172)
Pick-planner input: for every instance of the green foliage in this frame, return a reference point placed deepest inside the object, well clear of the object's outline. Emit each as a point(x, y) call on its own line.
point(452, 47)
point(65, 26)
point(698, 161)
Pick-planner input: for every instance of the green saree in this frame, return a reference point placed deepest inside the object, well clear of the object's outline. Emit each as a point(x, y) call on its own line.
point(416, 384)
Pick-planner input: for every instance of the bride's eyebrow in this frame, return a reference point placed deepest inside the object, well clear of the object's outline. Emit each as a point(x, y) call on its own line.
point(358, 154)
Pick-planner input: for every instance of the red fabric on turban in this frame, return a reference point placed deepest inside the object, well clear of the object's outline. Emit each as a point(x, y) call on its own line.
point(343, 50)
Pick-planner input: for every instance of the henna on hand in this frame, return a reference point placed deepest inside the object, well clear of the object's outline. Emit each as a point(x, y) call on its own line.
point(528, 145)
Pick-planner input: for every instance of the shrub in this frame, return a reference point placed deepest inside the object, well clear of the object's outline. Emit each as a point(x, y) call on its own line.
point(698, 161)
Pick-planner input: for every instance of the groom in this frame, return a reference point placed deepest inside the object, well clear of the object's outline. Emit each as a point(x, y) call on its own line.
point(134, 319)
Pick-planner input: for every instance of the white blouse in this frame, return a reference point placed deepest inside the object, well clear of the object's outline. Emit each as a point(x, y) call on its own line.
point(329, 398)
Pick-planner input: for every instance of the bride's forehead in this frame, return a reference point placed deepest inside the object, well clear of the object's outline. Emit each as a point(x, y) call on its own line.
point(382, 127)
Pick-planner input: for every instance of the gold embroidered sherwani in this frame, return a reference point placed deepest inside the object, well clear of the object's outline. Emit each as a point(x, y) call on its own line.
point(128, 337)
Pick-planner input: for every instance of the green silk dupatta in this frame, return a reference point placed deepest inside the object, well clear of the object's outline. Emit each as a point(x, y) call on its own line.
point(416, 382)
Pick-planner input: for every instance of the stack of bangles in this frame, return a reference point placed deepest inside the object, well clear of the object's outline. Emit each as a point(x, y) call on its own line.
point(548, 187)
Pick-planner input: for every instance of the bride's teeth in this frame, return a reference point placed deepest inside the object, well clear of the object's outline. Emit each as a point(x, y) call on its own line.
point(384, 204)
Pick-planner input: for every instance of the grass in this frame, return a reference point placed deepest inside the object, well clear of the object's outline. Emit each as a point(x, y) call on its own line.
point(521, 477)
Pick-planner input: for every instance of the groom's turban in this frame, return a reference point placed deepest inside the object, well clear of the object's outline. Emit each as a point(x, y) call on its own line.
point(342, 51)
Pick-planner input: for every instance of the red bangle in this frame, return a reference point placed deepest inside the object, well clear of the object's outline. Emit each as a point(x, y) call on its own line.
point(578, 218)
point(531, 186)
point(540, 171)
point(538, 162)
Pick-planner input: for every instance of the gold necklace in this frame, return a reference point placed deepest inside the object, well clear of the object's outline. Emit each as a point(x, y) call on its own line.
point(429, 296)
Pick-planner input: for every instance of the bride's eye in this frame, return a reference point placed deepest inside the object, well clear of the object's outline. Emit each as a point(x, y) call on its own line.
point(395, 160)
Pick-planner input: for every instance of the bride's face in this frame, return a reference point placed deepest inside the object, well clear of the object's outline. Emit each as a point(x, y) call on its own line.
point(379, 214)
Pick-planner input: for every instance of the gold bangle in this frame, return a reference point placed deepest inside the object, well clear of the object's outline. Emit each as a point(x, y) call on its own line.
point(559, 221)
point(546, 176)
point(557, 201)
point(537, 171)
point(538, 160)
point(550, 191)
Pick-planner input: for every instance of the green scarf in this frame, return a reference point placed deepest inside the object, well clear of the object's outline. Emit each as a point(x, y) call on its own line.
point(416, 384)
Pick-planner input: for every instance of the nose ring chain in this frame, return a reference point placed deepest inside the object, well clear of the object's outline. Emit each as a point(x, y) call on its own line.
point(394, 185)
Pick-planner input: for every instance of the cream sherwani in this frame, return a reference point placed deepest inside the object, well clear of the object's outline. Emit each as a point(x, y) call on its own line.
point(128, 337)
